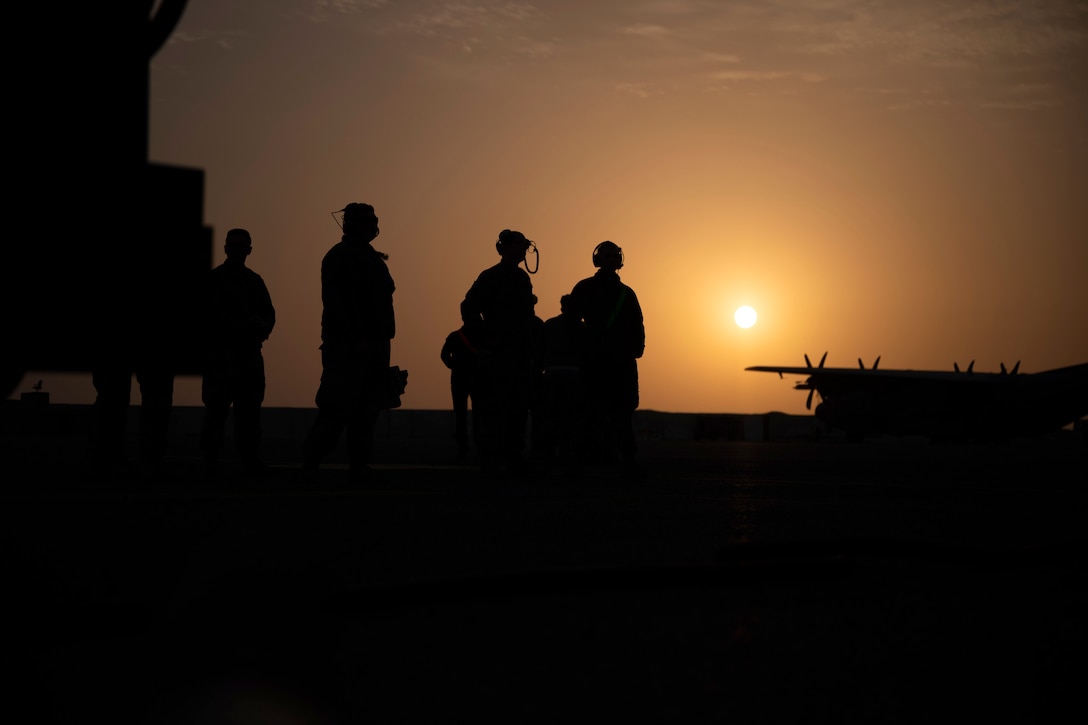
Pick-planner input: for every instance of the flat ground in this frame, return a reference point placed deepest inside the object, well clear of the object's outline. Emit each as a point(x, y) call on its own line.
point(892, 581)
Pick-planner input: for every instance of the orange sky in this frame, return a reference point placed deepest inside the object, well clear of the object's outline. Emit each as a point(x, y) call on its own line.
point(874, 178)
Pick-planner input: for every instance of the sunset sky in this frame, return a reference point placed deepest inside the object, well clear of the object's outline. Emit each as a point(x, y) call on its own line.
point(902, 179)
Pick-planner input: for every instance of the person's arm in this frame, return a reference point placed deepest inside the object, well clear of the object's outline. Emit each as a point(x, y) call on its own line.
point(447, 353)
point(266, 313)
point(638, 327)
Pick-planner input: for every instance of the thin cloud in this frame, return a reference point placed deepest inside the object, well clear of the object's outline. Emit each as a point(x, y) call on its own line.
point(1022, 105)
point(745, 76)
point(322, 11)
point(675, 46)
point(346, 7)
point(919, 103)
point(939, 34)
point(223, 39)
point(638, 90)
point(452, 18)
point(713, 57)
point(645, 30)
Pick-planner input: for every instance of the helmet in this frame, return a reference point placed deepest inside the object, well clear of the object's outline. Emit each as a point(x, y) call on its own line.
point(608, 255)
point(509, 240)
point(359, 218)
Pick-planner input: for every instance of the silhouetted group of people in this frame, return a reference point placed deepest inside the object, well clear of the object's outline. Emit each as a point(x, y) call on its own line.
point(566, 388)
point(572, 380)
point(236, 317)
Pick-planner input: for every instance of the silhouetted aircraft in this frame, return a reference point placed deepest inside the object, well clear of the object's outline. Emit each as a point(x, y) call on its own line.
point(944, 405)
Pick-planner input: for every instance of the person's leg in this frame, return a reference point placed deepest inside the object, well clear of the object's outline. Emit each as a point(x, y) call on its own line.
point(486, 414)
point(623, 402)
point(215, 394)
point(324, 434)
point(157, 393)
point(623, 427)
point(361, 420)
point(515, 401)
point(331, 400)
point(369, 396)
point(565, 415)
point(249, 387)
point(459, 393)
point(113, 390)
point(545, 420)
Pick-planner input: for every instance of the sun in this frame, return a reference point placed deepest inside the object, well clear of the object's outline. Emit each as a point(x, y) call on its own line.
point(745, 316)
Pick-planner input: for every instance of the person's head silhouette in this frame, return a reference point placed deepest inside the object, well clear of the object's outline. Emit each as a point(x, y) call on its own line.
point(608, 256)
point(237, 246)
point(360, 221)
point(512, 244)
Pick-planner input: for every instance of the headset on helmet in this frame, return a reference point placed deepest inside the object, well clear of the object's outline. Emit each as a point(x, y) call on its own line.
point(608, 254)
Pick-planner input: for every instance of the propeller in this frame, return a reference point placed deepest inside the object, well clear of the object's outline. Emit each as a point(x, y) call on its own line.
point(812, 389)
point(970, 368)
point(1014, 369)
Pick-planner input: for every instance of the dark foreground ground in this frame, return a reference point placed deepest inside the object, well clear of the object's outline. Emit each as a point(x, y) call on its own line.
point(812, 582)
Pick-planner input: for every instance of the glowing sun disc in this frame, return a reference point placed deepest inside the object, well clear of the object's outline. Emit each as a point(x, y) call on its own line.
point(745, 316)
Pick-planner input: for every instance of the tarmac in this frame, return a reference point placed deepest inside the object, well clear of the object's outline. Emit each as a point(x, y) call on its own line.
point(789, 580)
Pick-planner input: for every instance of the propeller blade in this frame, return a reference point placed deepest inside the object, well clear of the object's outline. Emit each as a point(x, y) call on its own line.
point(861, 364)
point(876, 362)
point(1015, 367)
point(1003, 370)
point(808, 401)
point(956, 367)
point(808, 363)
point(822, 360)
point(971, 367)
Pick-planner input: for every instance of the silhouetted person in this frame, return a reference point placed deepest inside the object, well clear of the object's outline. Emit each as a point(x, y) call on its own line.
point(500, 304)
point(357, 329)
point(140, 317)
point(560, 352)
point(238, 318)
point(112, 380)
point(460, 355)
point(616, 338)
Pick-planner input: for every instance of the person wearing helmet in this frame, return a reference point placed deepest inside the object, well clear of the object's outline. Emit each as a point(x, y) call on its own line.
point(499, 312)
point(616, 339)
point(357, 329)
